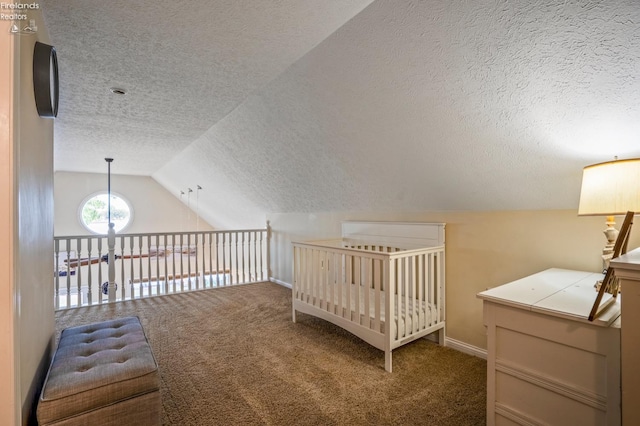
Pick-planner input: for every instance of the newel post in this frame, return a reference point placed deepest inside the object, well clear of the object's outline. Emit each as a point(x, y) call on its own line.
point(627, 269)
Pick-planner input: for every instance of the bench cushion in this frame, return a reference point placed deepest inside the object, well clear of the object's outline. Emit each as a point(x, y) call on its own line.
point(98, 365)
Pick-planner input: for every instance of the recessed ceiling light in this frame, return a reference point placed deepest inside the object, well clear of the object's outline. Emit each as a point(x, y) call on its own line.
point(118, 91)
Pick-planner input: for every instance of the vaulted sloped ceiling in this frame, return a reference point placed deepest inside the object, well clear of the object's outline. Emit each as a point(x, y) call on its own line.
point(184, 64)
point(427, 105)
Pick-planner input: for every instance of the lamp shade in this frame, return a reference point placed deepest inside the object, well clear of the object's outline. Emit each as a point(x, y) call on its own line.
point(610, 188)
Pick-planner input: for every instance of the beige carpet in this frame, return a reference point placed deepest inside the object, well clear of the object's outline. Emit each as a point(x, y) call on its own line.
point(232, 356)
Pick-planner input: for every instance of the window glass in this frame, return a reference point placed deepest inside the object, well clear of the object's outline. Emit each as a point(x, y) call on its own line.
point(94, 213)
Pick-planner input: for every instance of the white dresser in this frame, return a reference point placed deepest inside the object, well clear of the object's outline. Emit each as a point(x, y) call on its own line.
point(546, 363)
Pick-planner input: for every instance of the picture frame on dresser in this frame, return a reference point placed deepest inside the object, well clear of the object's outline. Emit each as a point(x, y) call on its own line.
point(609, 283)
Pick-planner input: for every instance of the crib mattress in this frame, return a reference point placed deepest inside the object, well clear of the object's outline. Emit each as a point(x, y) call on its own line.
point(416, 311)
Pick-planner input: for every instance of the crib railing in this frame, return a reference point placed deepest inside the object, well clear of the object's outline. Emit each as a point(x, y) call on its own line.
point(156, 264)
point(337, 277)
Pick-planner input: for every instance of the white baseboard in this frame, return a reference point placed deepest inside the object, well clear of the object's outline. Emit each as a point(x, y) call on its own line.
point(459, 346)
point(282, 283)
point(465, 347)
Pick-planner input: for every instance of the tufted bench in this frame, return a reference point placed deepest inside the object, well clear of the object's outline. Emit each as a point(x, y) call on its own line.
point(102, 374)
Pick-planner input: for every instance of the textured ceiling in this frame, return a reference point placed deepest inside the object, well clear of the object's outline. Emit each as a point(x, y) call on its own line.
point(408, 106)
point(185, 65)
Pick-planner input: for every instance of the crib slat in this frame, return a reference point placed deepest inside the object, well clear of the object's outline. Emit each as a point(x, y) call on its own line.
point(320, 269)
point(334, 280)
point(377, 291)
point(333, 277)
point(319, 292)
point(300, 275)
point(388, 274)
point(309, 277)
point(326, 278)
point(315, 277)
point(304, 292)
point(432, 284)
point(296, 272)
point(294, 284)
point(323, 279)
point(341, 284)
point(366, 288)
point(357, 286)
point(424, 307)
point(399, 280)
point(305, 275)
point(440, 273)
point(414, 292)
point(349, 279)
point(407, 285)
point(409, 297)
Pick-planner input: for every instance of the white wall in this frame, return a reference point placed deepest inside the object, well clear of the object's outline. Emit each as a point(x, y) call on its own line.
point(483, 250)
point(154, 208)
point(8, 385)
point(26, 212)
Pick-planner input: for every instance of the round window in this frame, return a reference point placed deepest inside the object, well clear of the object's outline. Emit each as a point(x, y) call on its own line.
point(94, 213)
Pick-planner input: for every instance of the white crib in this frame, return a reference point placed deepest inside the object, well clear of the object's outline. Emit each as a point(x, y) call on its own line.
point(378, 270)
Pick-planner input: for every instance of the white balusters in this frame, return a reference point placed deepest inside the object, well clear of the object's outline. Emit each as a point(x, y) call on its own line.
point(79, 273)
point(122, 286)
point(56, 275)
point(158, 263)
point(188, 263)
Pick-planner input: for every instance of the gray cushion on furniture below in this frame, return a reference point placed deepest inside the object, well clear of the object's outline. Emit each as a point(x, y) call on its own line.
point(98, 365)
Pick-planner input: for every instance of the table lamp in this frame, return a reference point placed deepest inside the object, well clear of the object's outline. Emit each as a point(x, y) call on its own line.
point(610, 189)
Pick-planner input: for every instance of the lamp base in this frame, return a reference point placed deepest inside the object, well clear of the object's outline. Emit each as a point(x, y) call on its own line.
point(614, 288)
point(611, 234)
